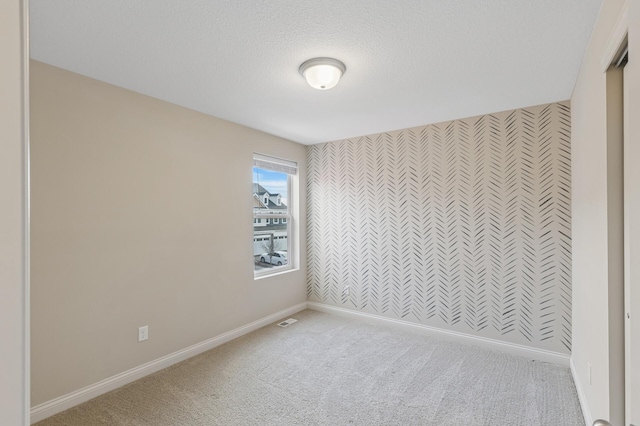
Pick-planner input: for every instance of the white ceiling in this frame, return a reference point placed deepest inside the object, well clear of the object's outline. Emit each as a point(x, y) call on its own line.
point(409, 62)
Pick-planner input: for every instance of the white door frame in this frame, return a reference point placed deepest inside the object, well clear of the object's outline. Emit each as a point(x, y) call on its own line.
point(622, 37)
point(14, 214)
point(632, 215)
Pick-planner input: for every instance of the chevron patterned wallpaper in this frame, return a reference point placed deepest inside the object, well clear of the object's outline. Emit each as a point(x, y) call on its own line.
point(463, 225)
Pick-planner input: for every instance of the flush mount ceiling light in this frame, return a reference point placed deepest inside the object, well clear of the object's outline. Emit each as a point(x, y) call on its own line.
point(322, 73)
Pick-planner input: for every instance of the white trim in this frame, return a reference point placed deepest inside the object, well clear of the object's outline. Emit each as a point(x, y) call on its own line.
point(616, 40)
point(512, 348)
point(588, 420)
point(278, 270)
point(26, 55)
point(275, 164)
point(72, 399)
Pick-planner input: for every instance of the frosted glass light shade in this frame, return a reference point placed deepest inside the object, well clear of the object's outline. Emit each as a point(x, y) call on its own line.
point(322, 73)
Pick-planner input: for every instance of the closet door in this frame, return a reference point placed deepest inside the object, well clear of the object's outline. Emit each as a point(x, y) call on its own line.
point(632, 237)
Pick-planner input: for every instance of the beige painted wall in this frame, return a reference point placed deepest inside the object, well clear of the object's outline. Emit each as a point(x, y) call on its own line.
point(596, 286)
point(14, 400)
point(141, 215)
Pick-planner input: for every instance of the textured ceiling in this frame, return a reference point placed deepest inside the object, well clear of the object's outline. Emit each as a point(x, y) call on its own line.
point(409, 62)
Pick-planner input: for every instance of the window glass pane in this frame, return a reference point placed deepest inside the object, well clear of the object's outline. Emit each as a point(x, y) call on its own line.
point(270, 191)
point(270, 234)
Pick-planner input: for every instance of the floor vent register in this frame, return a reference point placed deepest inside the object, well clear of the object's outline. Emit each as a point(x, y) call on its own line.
point(287, 323)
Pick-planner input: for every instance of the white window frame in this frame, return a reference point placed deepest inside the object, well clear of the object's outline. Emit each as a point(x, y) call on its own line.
point(285, 217)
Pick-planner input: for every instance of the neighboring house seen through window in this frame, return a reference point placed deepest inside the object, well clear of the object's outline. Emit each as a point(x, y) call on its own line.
point(272, 198)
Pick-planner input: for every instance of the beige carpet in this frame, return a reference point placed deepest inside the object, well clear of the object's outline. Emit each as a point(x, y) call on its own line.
point(330, 370)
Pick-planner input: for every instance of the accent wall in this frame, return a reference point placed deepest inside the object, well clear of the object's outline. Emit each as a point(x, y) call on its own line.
point(463, 225)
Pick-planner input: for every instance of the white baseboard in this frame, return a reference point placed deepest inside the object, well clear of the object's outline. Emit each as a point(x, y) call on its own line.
point(72, 399)
point(588, 419)
point(512, 348)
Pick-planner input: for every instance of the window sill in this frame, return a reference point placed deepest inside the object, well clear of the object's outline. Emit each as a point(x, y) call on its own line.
point(275, 273)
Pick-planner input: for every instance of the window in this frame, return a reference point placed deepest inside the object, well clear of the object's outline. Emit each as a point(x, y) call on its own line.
point(272, 214)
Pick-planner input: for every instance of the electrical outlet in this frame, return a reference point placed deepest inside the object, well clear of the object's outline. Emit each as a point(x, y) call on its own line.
point(143, 333)
point(589, 372)
point(345, 290)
